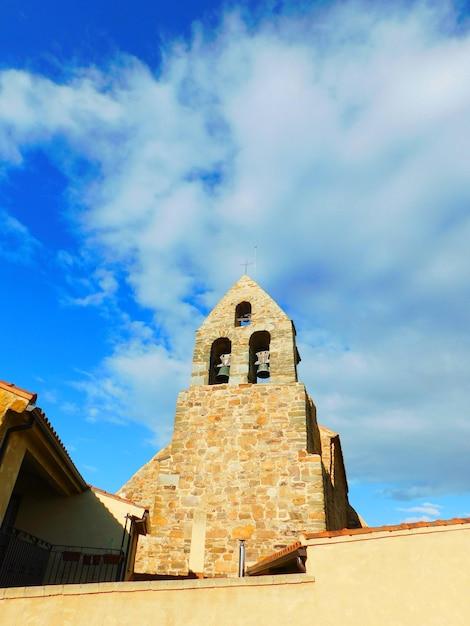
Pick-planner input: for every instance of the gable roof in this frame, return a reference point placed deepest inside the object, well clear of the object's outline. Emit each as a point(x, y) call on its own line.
point(45, 427)
point(245, 289)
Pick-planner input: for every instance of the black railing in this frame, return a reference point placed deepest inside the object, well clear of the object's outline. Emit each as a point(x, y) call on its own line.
point(23, 559)
point(26, 560)
point(72, 564)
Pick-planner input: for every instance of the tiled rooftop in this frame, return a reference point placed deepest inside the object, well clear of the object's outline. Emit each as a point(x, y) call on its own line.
point(348, 532)
point(116, 497)
point(382, 529)
point(42, 417)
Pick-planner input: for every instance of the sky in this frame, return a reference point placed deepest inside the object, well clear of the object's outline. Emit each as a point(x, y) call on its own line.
point(147, 148)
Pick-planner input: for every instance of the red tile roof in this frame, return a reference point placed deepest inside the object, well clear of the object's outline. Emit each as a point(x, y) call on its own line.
point(345, 532)
point(116, 497)
point(382, 529)
point(39, 413)
point(276, 555)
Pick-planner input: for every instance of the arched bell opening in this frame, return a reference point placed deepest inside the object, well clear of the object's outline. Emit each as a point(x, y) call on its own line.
point(219, 366)
point(259, 357)
point(243, 314)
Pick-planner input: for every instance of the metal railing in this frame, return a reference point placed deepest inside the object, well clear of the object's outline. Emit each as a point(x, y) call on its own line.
point(26, 560)
point(23, 559)
point(72, 564)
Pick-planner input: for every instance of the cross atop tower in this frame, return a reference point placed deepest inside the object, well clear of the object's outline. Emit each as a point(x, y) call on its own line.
point(245, 265)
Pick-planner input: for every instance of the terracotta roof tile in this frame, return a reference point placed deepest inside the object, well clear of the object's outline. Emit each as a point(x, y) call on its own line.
point(116, 497)
point(276, 555)
point(43, 417)
point(382, 529)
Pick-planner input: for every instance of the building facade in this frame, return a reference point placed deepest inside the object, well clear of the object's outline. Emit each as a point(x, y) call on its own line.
point(247, 459)
point(55, 528)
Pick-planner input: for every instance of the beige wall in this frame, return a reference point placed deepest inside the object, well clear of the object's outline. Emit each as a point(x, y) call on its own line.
point(417, 579)
point(221, 602)
point(87, 521)
point(90, 519)
point(9, 471)
point(54, 505)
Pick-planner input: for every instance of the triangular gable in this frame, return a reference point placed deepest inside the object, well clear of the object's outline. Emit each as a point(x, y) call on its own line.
point(245, 290)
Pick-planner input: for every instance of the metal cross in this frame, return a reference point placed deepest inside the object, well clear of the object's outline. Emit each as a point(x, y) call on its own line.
point(246, 264)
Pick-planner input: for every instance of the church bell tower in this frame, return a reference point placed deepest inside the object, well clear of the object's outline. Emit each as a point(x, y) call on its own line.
point(245, 326)
point(247, 459)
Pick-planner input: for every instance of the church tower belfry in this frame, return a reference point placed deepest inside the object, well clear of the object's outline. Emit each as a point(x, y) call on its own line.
point(247, 459)
point(246, 321)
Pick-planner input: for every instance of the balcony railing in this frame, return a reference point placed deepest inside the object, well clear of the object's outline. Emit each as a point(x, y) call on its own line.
point(26, 560)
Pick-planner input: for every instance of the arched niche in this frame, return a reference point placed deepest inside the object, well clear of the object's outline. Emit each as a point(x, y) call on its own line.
point(243, 314)
point(221, 346)
point(259, 342)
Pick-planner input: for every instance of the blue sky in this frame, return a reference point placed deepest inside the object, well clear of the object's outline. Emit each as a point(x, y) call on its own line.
point(146, 148)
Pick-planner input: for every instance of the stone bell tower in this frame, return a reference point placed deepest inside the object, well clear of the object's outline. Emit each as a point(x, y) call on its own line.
point(247, 459)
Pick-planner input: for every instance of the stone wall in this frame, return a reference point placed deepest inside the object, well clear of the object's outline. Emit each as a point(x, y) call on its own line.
point(336, 488)
point(238, 465)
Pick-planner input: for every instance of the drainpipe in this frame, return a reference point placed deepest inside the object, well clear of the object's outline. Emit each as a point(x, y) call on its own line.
point(241, 558)
point(130, 540)
point(14, 429)
point(122, 569)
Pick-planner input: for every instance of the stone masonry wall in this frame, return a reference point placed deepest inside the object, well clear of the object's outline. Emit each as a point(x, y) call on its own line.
point(239, 462)
point(336, 488)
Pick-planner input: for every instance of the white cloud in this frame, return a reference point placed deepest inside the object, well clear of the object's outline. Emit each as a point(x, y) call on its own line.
point(412, 520)
point(17, 244)
point(427, 509)
point(106, 287)
point(336, 142)
point(137, 382)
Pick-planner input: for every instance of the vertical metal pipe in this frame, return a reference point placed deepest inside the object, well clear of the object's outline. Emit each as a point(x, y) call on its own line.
point(122, 573)
point(120, 568)
point(241, 558)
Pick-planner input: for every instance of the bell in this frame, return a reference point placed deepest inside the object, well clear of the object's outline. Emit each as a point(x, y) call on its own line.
point(224, 369)
point(263, 370)
point(223, 374)
point(263, 364)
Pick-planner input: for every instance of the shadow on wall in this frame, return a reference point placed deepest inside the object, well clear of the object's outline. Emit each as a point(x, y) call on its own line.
point(81, 520)
point(52, 538)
